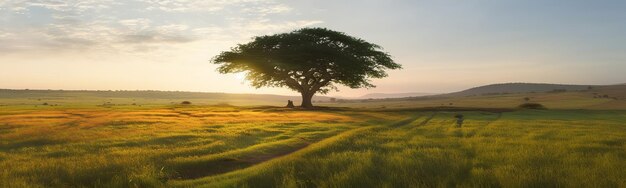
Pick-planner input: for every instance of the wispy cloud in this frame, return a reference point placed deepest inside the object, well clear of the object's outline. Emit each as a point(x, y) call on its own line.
point(263, 6)
point(266, 10)
point(136, 24)
point(58, 5)
point(184, 6)
point(55, 25)
point(4, 34)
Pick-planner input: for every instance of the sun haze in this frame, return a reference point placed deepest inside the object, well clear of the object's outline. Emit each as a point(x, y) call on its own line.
point(443, 45)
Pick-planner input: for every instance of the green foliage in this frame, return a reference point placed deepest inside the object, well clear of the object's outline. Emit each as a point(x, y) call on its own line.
point(309, 60)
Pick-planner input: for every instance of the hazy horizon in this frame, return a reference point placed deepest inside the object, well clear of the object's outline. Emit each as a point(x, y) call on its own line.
point(444, 46)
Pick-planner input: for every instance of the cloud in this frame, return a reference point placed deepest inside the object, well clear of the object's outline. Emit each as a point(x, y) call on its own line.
point(155, 37)
point(141, 31)
point(268, 25)
point(183, 6)
point(58, 5)
point(207, 5)
point(136, 24)
point(128, 26)
point(4, 34)
point(241, 30)
point(266, 10)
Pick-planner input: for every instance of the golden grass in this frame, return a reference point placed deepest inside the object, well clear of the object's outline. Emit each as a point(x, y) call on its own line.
point(89, 147)
point(519, 149)
point(211, 146)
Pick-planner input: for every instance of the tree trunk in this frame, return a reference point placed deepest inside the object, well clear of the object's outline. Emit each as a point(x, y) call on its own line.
point(306, 100)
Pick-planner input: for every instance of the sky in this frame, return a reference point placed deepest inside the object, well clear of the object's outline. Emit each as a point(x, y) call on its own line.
point(443, 45)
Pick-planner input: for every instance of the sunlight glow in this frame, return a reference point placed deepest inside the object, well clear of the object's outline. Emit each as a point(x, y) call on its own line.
point(241, 77)
point(156, 45)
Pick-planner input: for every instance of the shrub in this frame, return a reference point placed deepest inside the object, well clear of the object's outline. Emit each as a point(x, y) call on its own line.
point(532, 106)
point(186, 103)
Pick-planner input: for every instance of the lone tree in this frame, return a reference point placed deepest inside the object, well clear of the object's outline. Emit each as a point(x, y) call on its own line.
point(308, 60)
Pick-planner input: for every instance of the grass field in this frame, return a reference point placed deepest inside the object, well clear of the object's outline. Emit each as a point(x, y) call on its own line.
point(566, 100)
point(165, 145)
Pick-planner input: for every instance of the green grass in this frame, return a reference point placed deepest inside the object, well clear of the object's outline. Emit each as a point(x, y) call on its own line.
point(517, 149)
point(162, 145)
point(565, 100)
point(149, 147)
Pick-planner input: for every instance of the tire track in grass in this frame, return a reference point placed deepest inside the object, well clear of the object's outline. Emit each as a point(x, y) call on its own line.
point(237, 159)
point(404, 121)
point(427, 119)
point(268, 162)
point(266, 152)
point(494, 120)
point(471, 132)
point(324, 143)
point(220, 163)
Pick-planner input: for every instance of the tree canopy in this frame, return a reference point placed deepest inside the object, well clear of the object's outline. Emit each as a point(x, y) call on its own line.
point(308, 60)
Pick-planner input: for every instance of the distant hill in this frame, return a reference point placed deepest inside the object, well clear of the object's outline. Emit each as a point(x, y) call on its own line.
point(618, 91)
point(509, 96)
point(506, 88)
point(393, 95)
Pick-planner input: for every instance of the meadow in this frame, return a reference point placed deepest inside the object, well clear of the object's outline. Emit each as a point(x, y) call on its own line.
point(160, 144)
